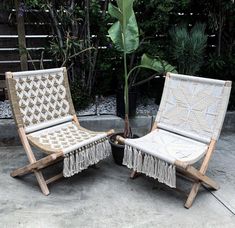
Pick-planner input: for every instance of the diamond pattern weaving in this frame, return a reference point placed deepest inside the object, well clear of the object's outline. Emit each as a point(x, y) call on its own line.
point(63, 137)
point(41, 97)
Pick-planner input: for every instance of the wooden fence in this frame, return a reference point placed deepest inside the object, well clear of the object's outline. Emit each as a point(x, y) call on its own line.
point(38, 33)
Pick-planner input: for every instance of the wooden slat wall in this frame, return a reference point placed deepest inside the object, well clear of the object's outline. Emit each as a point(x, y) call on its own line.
point(38, 35)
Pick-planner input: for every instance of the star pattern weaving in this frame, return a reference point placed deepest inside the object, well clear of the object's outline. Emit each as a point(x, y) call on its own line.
point(192, 107)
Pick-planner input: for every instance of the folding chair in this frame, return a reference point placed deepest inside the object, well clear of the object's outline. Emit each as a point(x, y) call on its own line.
point(45, 118)
point(187, 126)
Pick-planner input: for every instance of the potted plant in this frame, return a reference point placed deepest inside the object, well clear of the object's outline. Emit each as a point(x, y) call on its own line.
point(124, 34)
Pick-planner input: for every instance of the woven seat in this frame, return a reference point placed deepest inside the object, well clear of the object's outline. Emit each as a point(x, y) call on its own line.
point(169, 146)
point(45, 118)
point(81, 148)
point(187, 126)
point(64, 137)
point(155, 154)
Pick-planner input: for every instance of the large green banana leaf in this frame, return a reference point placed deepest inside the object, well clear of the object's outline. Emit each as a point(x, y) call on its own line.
point(124, 33)
point(160, 66)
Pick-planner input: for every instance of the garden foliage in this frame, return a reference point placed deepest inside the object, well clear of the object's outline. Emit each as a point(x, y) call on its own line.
point(81, 43)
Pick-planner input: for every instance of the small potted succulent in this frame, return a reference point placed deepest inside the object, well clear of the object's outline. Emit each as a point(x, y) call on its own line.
point(124, 34)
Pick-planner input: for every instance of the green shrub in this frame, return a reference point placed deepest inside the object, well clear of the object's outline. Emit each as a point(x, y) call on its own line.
point(81, 99)
point(188, 47)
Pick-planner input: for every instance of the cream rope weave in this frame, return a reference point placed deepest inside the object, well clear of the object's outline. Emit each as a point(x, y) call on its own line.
point(42, 97)
point(81, 148)
point(193, 105)
point(191, 113)
point(155, 153)
point(42, 106)
point(150, 165)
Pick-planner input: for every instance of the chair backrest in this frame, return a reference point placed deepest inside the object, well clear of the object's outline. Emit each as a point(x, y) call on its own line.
point(193, 107)
point(40, 98)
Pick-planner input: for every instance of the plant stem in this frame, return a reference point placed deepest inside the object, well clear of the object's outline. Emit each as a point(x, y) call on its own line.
point(127, 130)
point(144, 81)
point(126, 98)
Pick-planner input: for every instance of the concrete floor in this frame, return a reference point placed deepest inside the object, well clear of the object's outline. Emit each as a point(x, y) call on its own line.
point(106, 197)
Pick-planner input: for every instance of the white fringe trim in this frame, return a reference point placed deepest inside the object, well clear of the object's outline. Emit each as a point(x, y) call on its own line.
point(151, 166)
point(80, 159)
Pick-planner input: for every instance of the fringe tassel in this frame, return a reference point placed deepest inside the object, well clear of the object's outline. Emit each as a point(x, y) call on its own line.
point(80, 159)
point(150, 165)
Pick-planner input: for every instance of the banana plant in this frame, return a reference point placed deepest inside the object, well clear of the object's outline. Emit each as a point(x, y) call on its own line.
point(124, 34)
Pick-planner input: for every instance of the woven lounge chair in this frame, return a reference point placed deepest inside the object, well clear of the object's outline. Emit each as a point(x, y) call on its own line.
point(186, 129)
point(45, 118)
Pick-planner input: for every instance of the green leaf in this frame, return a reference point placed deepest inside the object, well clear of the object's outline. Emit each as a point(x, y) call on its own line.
point(114, 12)
point(116, 36)
point(124, 33)
point(126, 7)
point(160, 66)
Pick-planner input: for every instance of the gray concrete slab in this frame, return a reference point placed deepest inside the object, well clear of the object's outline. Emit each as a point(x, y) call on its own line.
point(222, 168)
point(106, 197)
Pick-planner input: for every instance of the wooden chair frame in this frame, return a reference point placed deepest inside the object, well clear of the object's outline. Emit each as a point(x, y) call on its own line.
point(36, 166)
point(198, 177)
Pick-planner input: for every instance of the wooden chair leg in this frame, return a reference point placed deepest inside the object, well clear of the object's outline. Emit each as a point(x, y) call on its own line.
point(42, 183)
point(32, 159)
point(192, 195)
point(37, 165)
point(201, 175)
point(134, 174)
point(55, 178)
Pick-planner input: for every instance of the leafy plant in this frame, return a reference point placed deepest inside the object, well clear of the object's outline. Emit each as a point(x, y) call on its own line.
point(221, 21)
point(73, 44)
point(187, 47)
point(215, 63)
point(159, 14)
point(71, 49)
point(80, 97)
point(124, 33)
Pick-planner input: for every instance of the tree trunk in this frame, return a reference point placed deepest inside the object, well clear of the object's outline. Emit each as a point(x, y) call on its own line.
point(21, 34)
point(219, 37)
point(55, 23)
point(88, 44)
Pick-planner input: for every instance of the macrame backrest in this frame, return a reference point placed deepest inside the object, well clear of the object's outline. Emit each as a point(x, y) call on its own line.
point(40, 98)
point(194, 107)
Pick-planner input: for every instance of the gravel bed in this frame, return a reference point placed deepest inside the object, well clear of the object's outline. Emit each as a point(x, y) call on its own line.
point(5, 110)
point(102, 106)
point(146, 107)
